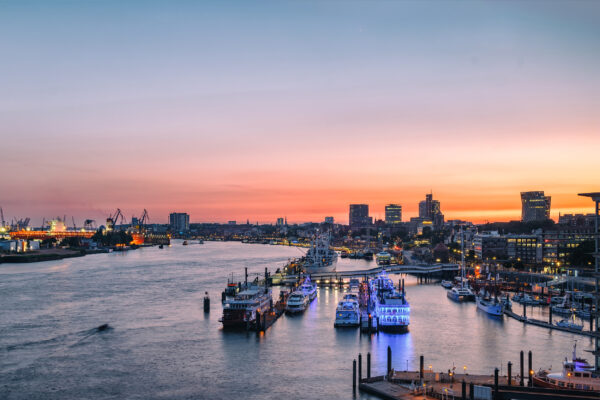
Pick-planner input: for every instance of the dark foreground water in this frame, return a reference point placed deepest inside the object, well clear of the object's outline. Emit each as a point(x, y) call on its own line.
point(163, 346)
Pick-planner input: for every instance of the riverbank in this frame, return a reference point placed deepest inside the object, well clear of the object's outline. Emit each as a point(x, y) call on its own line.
point(46, 255)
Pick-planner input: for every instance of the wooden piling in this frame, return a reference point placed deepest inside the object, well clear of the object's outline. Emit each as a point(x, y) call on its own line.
point(389, 360)
point(369, 365)
point(522, 370)
point(496, 383)
point(359, 368)
point(471, 391)
point(354, 375)
point(530, 383)
point(509, 373)
point(421, 367)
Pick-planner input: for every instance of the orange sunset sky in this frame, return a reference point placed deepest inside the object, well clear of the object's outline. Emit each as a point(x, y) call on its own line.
point(297, 109)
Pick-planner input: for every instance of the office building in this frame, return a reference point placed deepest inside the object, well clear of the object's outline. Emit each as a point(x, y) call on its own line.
point(393, 214)
point(535, 207)
point(431, 209)
point(179, 222)
point(329, 220)
point(359, 215)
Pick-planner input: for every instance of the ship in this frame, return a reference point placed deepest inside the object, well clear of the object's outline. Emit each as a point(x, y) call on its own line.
point(347, 313)
point(320, 257)
point(241, 311)
point(576, 374)
point(390, 306)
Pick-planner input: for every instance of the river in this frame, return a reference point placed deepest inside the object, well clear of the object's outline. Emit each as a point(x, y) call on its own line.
point(161, 345)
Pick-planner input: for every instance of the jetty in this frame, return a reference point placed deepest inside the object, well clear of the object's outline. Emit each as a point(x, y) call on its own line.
point(427, 384)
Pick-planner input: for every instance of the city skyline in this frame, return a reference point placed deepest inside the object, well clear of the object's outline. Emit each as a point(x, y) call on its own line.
point(297, 109)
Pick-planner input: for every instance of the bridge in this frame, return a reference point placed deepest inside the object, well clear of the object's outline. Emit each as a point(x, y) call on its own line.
point(392, 269)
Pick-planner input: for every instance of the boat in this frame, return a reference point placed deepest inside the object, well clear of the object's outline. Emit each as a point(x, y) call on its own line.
point(460, 294)
point(320, 257)
point(524, 298)
point(354, 283)
point(309, 289)
point(383, 258)
point(367, 255)
point(447, 284)
point(160, 246)
point(569, 323)
point(297, 302)
point(347, 313)
point(490, 305)
point(576, 374)
point(390, 306)
point(185, 242)
point(461, 291)
point(241, 311)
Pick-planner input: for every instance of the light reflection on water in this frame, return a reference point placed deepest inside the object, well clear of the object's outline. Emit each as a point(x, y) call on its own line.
point(164, 346)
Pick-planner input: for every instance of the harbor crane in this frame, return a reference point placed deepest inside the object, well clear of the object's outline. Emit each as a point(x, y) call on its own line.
point(143, 221)
point(89, 224)
point(113, 220)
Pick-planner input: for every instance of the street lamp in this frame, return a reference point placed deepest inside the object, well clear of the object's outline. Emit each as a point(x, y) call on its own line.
point(595, 196)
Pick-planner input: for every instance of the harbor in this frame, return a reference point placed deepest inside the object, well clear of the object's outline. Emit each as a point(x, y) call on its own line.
point(158, 302)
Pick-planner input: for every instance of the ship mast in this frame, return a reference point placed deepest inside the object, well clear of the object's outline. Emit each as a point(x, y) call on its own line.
point(462, 258)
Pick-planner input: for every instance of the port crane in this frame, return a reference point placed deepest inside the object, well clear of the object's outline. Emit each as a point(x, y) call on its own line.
point(143, 221)
point(89, 224)
point(112, 221)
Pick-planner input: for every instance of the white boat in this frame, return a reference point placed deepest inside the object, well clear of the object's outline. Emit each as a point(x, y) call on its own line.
point(490, 305)
point(309, 289)
point(347, 312)
point(447, 284)
point(383, 258)
point(320, 257)
point(461, 292)
point(524, 298)
point(576, 374)
point(392, 310)
point(297, 302)
point(567, 323)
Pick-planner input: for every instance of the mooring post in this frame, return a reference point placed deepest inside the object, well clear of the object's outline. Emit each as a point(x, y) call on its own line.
point(530, 372)
point(591, 320)
point(471, 391)
point(389, 360)
point(496, 383)
point(370, 323)
point(524, 311)
point(522, 370)
point(509, 373)
point(359, 367)
point(550, 314)
point(354, 375)
point(421, 366)
point(369, 365)
point(464, 390)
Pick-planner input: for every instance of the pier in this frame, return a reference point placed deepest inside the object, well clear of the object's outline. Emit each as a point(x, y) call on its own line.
point(427, 384)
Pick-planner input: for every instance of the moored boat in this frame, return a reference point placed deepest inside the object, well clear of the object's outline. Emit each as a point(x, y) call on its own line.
point(347, 313)
point(309, 289)
point(490, 305)
point(297, 302)
point(391, 308)
point(576, 374)
point(241, 311)
point(320, 257)
point(446, 284)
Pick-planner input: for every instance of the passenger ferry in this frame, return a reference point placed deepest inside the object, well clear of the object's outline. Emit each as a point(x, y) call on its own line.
point(490, 305)
point(576, 374)
point(297, 302)
point(383, 258)
point(309, 289)
point(240, 312)
point(347, 312)
point(390, 306)
point(320, 257)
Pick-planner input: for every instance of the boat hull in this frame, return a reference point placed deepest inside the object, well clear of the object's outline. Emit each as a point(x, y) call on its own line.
point(319, 269)
point(491, 309)
point(460, 299)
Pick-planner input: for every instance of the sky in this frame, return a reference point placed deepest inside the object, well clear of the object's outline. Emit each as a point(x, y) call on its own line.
point(236, 110)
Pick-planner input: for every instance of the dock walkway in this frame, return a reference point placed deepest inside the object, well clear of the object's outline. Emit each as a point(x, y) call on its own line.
point(547, 325)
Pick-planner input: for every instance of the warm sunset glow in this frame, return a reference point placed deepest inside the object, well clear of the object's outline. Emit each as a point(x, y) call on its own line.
point(232, 113)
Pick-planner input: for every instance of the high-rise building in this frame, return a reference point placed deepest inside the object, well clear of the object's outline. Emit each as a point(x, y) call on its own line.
point(179, 222)
point(393, 214)
point(359, 215)
point(431, 209)
point(329, 220)
point(280, 221)
point(535, 206)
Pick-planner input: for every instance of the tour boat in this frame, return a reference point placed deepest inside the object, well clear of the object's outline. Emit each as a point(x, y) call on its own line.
point(447, 284)
point(309, 289)
point(383, 258)
point(490, 305)
point(241, 311)
point(576, 374)
point(320, 257)
point(461, 292)
point(297, 302)
point(347, 312)
point(390, 306)
point(569, 323)
point(524, 298)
